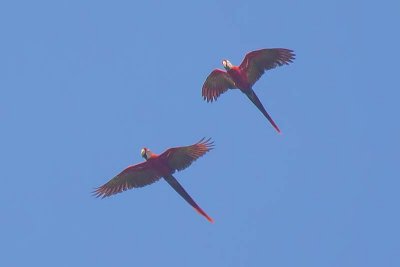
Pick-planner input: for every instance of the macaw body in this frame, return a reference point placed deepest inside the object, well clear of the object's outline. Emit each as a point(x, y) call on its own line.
point(240, 79)
point(159, 164)
point(243, 77)
point(156, 167)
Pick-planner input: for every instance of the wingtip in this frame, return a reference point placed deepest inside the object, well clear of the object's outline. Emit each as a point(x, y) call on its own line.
point(95, 193)
point(208, 142)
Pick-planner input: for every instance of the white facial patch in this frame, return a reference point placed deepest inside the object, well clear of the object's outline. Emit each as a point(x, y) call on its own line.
point(146, 153)
point(227, 64)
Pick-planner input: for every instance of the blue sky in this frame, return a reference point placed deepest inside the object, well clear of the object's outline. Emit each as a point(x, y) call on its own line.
point(86, 84)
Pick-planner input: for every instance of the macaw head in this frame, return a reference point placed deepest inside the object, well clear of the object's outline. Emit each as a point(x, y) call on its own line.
point(227, 65)
point(146, 153)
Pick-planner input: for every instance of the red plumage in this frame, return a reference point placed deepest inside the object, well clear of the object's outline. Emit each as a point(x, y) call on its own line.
point(156, 167)
point(243, 77)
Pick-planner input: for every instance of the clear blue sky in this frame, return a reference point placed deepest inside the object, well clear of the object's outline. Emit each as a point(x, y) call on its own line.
point(84, 85)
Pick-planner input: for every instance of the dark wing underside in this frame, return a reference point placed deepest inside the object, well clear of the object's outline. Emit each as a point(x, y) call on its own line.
point(257, 62)
point(132, 177)
point(217, 83)
point(179, 158)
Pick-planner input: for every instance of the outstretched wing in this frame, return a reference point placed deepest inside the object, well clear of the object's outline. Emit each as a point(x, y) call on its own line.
point(217, 82)
point(138, 175)
point(180, 158)
point(257, 62)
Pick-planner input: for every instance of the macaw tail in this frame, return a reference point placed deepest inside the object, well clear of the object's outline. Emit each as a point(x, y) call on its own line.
point(179, 189)
point(253, 97)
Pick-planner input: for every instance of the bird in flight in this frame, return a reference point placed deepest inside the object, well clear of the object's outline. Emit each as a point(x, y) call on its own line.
point(243, 77)
point(156, 167)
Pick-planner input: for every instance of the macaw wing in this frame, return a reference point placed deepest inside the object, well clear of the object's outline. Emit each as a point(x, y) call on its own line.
point(180, 158)
point(217, 82)
point(134, 176)
point(257, 62)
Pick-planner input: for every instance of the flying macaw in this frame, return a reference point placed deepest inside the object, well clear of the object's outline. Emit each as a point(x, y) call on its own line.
point(243, 77)
point(156, 167)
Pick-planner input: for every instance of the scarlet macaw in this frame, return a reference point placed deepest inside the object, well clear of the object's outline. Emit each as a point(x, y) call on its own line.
point(243, 77)
point(154, 168)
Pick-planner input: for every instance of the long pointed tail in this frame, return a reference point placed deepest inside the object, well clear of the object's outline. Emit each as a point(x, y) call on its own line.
point(253, 97)
point(181, 191)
